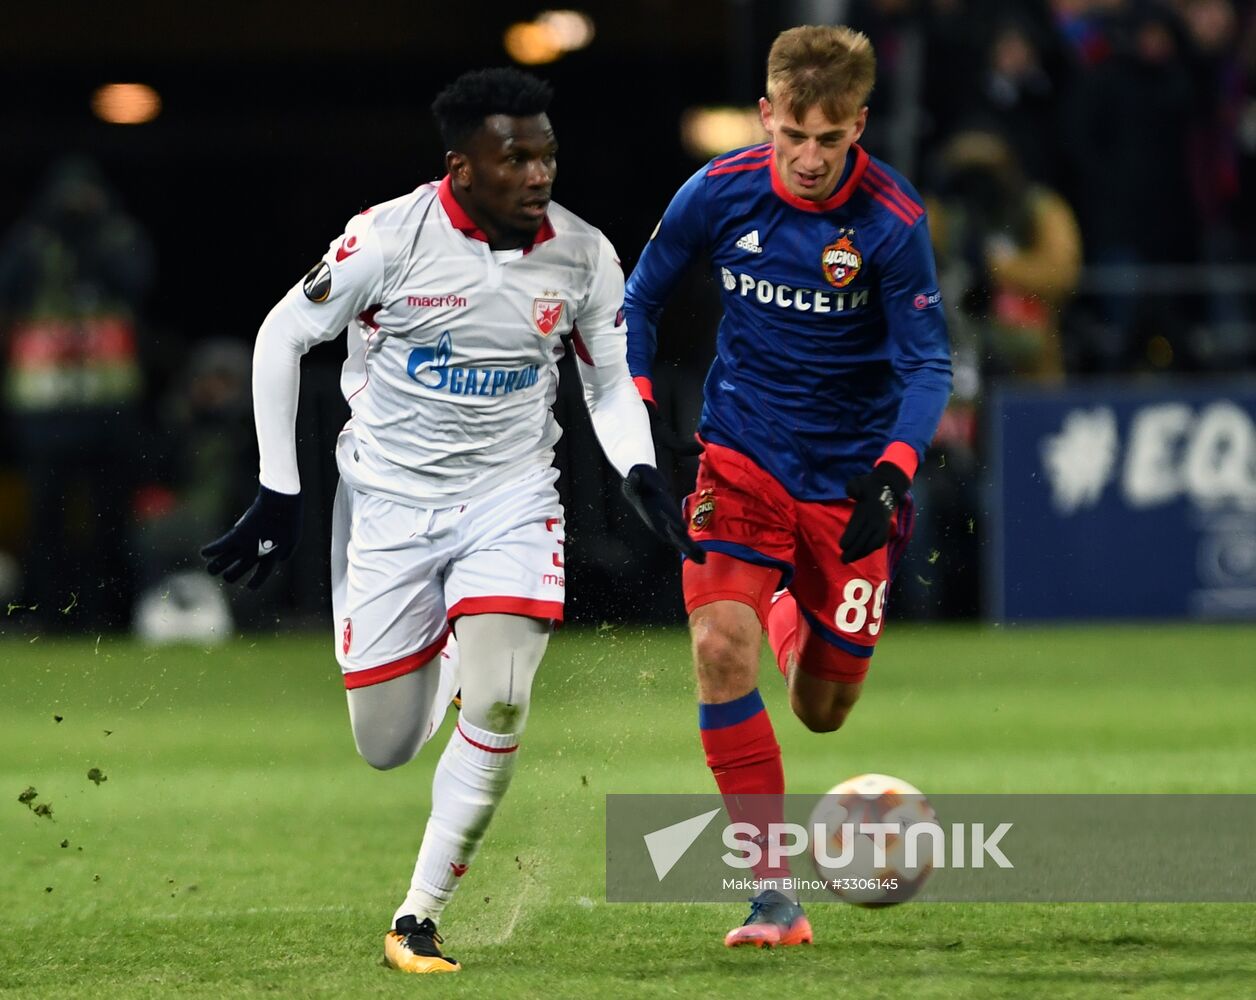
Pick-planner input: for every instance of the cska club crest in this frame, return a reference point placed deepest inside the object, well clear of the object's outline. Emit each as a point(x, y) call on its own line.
point(841, 260)
point(347, 636)
point(703, 511)
point(546, 313)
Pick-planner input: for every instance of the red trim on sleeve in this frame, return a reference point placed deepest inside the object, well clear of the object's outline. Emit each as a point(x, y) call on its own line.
point(763, 149)
point(893, 206)
point(646, 387)
point(387, 671)
point(890, 206)
point(882, 187)
point(737, 168)
point(484, 746)
point(903, 455)
point(880, 179)
point(526, 606)
point(836, 199)
point(582, 349)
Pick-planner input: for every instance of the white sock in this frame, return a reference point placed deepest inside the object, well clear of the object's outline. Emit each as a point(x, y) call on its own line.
point(471, 778)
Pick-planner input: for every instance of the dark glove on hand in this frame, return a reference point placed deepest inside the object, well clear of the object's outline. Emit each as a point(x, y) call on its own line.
point(267, 533)
point(650, 498)
point(877, 495)
point(667, 437)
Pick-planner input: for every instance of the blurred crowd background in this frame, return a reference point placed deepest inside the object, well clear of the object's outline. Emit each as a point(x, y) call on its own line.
point(1088, 166)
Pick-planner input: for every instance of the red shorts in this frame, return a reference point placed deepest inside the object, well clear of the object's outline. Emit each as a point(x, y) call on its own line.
point(740, 510)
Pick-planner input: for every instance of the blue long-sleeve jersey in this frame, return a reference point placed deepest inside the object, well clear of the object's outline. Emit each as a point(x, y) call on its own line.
point(832, 345)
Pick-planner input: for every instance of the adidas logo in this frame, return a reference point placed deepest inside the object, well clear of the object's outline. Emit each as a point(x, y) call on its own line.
point(750, 242)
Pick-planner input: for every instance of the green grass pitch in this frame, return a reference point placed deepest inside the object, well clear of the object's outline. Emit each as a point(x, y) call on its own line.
point(237, 847)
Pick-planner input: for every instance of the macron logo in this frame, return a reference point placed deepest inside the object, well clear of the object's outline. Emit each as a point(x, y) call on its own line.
point(750, 242)
point(668, 845)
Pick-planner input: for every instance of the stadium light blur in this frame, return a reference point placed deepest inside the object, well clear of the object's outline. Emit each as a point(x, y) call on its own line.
point(126, 103)
point(550, 36)
point(531, 43)
point(704, 132)
point(572, 29)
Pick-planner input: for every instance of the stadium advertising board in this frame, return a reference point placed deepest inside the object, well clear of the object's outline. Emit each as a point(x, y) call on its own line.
point(1122, 502)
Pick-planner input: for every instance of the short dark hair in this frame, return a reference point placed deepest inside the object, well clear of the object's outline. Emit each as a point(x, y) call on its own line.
point(461, 107)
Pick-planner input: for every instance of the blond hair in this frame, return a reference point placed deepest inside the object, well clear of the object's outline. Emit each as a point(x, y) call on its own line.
point(829, 66)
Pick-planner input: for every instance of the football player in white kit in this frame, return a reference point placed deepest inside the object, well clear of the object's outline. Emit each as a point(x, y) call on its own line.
point(456, 297)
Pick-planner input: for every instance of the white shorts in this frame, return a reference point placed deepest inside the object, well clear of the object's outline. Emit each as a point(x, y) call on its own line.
point(400, 575)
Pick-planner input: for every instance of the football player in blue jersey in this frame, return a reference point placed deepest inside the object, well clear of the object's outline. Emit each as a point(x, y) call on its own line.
point(831, 372)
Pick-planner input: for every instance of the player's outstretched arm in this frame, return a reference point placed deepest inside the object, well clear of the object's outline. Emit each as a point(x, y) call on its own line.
point(268, 531)
point(316, 309)
point(653, 501)
point(677, 240)
point(921, 357)
point(619, 420)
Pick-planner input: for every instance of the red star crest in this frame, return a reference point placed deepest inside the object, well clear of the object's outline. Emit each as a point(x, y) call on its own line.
point(546, 313)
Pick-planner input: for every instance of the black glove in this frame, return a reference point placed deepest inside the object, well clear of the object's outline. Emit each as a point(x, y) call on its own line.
point(649, 496)
point(877, 495)
point(666, 436)
point(266, 533)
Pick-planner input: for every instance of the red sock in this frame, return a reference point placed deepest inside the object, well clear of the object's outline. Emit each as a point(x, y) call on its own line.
point(783, 630)
point(743, 754)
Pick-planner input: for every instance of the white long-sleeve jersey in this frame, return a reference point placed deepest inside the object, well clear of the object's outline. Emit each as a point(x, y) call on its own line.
point(452, 354)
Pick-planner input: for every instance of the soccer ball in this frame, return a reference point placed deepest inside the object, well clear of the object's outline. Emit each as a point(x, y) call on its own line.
point(845, 850)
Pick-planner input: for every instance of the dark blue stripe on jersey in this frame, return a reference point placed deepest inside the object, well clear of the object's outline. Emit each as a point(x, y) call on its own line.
point(753, 556)
point(833, 639)
point(730, 713)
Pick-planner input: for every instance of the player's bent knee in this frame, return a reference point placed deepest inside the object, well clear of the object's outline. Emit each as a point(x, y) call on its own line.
point(726, 648)
point(506, 717)
point(385, 742)
point(385, 756)
point(718, 651)
point(500, 655)
point(822, 706)
point(823, 718)
point(391, 720)
point(725, 632)
point(385, 760)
